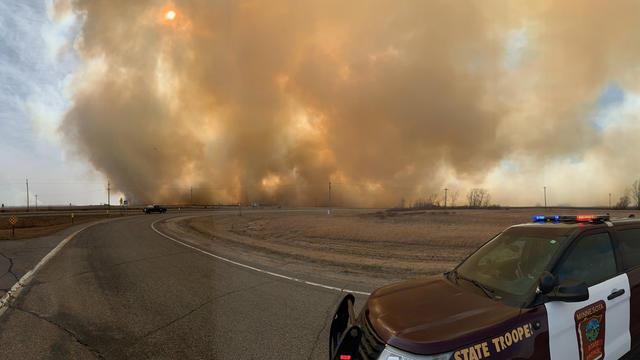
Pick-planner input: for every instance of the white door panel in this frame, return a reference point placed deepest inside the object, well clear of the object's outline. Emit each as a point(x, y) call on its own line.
point(563, 336)
point(618, 342)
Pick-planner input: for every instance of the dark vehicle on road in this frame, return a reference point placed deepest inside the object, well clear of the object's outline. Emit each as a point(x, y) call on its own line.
point(155, 209)
point(560, 287)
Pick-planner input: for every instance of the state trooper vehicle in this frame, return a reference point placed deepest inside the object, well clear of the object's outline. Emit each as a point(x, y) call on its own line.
point(560, 287)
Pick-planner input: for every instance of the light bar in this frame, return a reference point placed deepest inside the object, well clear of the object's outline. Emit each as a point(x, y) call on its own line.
point(571, 218)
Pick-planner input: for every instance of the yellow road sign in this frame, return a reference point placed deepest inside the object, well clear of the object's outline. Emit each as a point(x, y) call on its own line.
point(13, 220)
point(73, 215)
point(121, 201)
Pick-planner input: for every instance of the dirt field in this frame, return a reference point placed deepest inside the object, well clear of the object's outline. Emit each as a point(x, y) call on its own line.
point(36, 226)
point(374, 247)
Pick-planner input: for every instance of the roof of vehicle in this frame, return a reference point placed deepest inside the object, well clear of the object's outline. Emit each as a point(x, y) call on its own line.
point(564, 225)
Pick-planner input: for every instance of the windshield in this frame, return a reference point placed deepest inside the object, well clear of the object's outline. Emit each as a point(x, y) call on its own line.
point(511, 263)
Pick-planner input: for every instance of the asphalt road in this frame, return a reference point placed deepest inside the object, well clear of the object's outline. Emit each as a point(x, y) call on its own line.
point(119, 290)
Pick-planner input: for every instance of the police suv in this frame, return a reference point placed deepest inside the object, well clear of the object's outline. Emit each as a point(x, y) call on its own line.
point(560, 287)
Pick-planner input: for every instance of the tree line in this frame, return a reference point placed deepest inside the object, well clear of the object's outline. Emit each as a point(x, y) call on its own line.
point(630, 196)
point(475, 198)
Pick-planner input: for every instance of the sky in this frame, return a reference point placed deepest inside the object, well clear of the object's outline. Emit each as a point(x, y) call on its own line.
point(271, 101)
point(37, 60)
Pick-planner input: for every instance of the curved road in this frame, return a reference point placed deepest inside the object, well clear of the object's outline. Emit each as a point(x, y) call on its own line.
point(120, 290)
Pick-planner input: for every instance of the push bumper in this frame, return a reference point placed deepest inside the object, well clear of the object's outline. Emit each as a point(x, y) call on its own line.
point(345, 334)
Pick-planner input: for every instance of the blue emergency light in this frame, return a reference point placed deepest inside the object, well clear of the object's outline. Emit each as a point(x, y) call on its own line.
point(542, 218)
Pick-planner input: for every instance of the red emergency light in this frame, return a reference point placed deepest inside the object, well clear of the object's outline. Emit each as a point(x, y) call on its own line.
point(586, 217)
point(345, 357)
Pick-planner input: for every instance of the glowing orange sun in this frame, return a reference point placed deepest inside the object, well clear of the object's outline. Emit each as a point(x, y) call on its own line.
point(170, 15)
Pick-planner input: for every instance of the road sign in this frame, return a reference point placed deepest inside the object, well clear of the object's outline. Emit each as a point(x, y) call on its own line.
point(13, 220)
point(121, 201)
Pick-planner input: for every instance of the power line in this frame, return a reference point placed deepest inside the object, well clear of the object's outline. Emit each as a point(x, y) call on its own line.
point(50, 182)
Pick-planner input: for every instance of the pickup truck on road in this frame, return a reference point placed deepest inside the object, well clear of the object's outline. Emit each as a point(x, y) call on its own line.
point(154, 209)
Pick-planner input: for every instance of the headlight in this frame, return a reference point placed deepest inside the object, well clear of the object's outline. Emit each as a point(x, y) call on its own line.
point(390, 353)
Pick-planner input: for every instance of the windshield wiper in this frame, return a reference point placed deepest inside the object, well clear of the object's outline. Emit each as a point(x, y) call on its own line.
point(474, 282)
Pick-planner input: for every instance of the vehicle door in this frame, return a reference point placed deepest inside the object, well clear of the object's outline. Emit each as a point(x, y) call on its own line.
point(628, 244)
point(597, 328)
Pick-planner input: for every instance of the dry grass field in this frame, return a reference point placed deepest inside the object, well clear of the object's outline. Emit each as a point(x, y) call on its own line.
point(36, 226)
point(383, 245)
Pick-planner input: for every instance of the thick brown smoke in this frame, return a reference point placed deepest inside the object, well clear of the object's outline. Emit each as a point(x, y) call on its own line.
point(270, 100)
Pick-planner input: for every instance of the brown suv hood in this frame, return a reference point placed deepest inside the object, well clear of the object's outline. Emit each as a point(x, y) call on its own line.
point(433, 315)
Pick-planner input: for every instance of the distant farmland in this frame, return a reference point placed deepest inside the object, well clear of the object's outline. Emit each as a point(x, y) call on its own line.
point(369, 247)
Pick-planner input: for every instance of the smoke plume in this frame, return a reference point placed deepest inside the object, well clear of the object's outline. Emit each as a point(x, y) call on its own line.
point(270, 100)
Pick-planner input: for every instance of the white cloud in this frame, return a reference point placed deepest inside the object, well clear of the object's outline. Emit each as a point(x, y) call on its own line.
point(36, 60)
point(585, 179)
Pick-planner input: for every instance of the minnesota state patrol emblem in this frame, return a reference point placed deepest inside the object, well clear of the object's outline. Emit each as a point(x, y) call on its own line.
point(590, 331)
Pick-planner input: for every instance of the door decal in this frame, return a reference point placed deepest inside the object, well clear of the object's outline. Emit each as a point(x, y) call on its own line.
point(590, 329)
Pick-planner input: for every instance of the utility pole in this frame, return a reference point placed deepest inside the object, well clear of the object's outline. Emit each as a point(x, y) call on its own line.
point(329, 203)
point(108, 194)
point(609, 200)
point(27, 195)
point(191, 191)
point(36, 202)
point(545, 197)
point(445, 197)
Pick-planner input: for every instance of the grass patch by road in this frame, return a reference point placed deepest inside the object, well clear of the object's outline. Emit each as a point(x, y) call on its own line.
point(36, 226)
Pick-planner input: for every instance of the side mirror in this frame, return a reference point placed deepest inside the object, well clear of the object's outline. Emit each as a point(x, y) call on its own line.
point(570, 291)
point(547, 282)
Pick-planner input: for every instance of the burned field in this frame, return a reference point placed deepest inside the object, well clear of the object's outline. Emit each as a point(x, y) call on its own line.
point(371, 248)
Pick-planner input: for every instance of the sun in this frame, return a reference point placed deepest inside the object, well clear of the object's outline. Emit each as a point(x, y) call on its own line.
point(170, 15)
